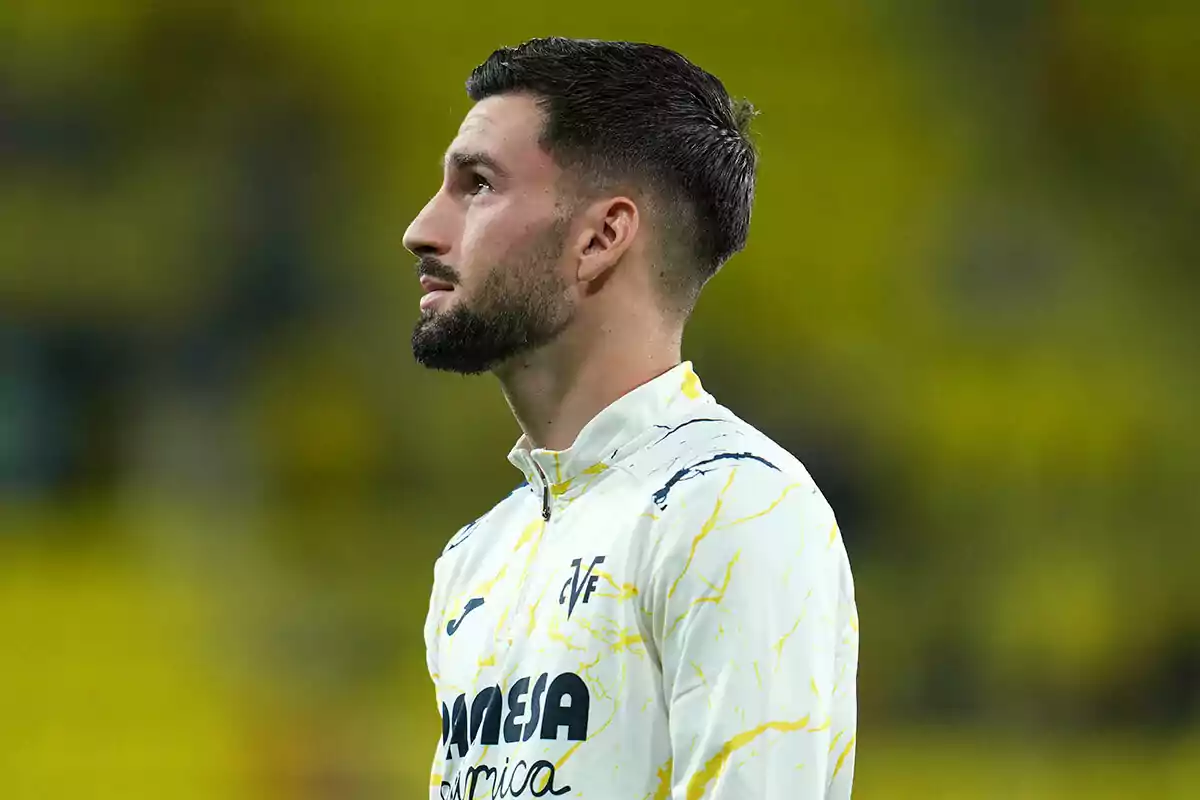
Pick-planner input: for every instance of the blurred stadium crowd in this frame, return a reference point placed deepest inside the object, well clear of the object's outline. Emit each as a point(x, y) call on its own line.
point(968, 306)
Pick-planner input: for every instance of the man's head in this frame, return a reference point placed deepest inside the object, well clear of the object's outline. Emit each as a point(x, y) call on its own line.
point(590, 178)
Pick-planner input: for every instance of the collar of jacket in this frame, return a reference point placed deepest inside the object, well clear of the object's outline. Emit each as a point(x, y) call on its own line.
point(600, 444)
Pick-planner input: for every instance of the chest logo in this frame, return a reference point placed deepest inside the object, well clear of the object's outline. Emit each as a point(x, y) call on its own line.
point(577, 586)
point(472, 604)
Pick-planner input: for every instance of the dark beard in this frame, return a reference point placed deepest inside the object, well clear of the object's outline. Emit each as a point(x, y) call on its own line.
point(467, 342)
point(519, 308)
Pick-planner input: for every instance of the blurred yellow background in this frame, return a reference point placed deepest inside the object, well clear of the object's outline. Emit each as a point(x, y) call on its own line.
point(968, 305)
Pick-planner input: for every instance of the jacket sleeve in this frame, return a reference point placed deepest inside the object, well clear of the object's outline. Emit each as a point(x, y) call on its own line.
point(433, 624)
point(435, 615)
point(752, 613)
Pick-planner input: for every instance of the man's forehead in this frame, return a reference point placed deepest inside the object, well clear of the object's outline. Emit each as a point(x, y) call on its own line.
point(504, 126)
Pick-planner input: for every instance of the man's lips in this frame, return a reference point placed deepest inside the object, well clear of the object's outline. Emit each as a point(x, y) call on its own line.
point(430, 284)
point(435, 291)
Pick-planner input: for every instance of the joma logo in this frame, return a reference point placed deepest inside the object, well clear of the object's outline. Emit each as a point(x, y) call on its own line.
point(576, 586)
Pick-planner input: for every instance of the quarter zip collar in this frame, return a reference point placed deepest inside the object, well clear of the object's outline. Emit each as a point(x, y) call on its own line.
point(554, 473)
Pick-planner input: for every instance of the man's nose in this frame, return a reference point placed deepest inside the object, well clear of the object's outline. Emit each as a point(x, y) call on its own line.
point(431, 232)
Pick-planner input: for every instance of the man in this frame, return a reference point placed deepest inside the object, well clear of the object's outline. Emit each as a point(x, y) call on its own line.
point(664, 609)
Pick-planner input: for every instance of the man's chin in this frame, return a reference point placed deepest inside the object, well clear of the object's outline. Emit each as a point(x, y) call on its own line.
point(464, 343)
point(438, 353)
point(453, 367)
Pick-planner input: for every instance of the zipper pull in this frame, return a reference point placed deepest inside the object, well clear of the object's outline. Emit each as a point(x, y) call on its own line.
point(545, 492)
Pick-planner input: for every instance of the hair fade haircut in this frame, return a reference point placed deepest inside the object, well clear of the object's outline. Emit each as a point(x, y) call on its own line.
point(642, 117)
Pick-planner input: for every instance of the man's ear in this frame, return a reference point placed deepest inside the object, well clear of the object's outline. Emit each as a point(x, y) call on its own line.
point(610, 226)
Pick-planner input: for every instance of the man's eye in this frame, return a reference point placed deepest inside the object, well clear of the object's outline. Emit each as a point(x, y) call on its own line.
point(478, 183)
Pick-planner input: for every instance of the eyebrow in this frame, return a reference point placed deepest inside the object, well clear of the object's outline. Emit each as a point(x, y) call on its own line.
point(467, 160)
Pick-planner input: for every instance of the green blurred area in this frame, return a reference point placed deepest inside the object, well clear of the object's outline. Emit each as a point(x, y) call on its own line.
point(967, 305)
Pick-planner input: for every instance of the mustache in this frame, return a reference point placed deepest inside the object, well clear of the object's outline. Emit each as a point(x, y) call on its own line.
point(436, 269)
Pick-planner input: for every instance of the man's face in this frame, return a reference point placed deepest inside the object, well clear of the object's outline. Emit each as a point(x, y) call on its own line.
point(491, 244)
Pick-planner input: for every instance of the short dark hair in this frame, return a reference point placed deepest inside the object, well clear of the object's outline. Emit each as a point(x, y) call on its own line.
point(626, 113)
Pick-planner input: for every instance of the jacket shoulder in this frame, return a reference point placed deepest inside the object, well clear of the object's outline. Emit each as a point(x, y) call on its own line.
point(469, 531)
point(715, 441)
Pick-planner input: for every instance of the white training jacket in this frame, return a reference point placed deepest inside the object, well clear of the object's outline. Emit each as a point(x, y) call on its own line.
point(665, 610)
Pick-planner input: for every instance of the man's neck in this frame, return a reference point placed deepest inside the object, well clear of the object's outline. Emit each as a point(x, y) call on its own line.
point(555, 392)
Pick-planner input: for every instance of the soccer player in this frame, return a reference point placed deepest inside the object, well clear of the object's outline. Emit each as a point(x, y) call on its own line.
point(664, 607)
